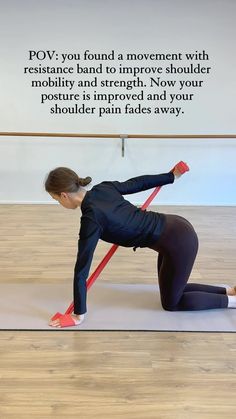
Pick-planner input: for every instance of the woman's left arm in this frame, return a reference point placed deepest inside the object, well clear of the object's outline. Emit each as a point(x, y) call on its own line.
point(142, 183)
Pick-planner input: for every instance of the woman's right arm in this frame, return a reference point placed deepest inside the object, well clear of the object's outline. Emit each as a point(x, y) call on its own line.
point(89, 235)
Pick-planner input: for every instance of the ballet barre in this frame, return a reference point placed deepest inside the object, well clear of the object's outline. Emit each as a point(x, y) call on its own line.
point(122, 137)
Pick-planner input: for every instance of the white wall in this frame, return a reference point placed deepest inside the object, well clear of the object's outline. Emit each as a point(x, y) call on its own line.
point(125, 26)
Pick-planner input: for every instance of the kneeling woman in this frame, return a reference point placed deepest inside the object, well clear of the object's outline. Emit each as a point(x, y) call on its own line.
point(108, 216)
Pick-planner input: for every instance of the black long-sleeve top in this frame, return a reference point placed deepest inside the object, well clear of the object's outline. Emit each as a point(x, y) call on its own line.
point(108, 216)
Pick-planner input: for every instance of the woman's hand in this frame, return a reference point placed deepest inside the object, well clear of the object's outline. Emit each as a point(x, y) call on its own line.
point(78, 319)
point(177, 173)
point(179, 169)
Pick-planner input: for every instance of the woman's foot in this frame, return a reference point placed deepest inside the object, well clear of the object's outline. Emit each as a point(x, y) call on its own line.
point(231, 291)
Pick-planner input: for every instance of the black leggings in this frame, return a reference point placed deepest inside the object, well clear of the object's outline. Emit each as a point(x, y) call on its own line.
point(177, 248)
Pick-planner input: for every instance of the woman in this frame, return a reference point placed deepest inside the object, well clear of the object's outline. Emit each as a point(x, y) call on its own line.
point(108, 216)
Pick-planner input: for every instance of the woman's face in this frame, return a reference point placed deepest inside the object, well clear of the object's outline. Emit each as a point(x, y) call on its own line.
point(65, 199)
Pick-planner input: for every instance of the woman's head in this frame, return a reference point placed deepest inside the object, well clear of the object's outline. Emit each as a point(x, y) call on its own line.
point(63, 184)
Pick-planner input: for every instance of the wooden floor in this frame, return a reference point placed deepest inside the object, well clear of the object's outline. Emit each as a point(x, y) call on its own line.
point(106, 375)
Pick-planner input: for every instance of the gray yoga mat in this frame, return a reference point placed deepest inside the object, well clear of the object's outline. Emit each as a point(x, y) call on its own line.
point(110, 307)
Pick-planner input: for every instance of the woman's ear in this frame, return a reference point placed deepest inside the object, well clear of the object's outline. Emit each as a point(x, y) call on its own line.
point(63, 195)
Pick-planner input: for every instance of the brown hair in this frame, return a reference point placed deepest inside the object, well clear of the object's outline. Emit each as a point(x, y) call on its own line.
point(63, 179)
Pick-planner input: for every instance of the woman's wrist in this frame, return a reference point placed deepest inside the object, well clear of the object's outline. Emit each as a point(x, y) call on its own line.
point(79, 318)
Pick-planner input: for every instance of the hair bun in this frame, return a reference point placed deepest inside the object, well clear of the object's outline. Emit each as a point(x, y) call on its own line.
point(85, 181)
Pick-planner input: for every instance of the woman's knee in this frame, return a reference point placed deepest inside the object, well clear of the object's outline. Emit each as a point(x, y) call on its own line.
point(169, 306)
